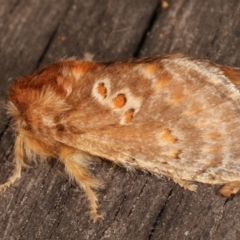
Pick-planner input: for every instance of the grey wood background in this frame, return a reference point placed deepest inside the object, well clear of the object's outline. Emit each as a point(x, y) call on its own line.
point(43, 204)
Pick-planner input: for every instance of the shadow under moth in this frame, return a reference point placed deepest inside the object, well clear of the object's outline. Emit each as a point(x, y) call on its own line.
point(169, 115)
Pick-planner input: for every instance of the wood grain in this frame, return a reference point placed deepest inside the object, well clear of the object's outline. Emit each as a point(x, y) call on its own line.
point(43, 204)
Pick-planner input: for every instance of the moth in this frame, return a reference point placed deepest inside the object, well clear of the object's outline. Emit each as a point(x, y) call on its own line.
point(169, 115)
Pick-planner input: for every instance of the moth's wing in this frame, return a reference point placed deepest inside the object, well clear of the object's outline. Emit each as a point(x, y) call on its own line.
point(186, 126)
point(233, 74)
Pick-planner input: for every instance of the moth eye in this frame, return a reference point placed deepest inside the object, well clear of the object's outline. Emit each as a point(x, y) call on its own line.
point(119, 101)
point(102, 90)
point(128, 116)
point(167, 136)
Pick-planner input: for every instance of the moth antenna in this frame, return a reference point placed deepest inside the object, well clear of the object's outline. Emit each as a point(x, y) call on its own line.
point(75, 166)
point(19, 163)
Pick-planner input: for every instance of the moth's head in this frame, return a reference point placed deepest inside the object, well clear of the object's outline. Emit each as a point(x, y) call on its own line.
point(37, 99)
point(28, 95)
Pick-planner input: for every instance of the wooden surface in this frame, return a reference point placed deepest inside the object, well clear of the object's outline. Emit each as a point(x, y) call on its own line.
point(43, 204)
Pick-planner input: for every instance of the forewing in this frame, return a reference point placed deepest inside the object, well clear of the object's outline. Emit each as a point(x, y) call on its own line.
point(174, 115)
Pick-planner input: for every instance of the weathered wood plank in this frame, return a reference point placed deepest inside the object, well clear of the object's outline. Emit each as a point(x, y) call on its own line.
point(203, 29)
point(108, 31)
point(25, 30)
point(43, 204)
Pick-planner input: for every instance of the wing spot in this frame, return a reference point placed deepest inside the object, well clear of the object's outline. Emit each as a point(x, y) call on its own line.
point(102, 90)
point(214, 148)
point(167, 136)
point(162, 81)
point(194, 109)
point(212, 136)
point(128, 116)
point(119, 101)
point(177, 97)
point(150, 69)
point(192, 112)
point(175, 153)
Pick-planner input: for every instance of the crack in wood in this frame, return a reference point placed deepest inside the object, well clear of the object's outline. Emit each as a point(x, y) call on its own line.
point(4, 130)
point(118, 210)
point(218, 223)
point(137, 198)
point(147, 30)
point(14, 7)
point(197, 28)
point(40, 190)
point(59, 219)
point(160, 214)
point(50, 40)
point(52, 36)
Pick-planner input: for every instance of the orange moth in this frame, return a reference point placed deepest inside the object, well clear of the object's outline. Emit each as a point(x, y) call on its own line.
point(169, 115)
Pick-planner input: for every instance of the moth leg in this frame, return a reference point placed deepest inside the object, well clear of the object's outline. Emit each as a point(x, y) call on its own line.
point(19, 156)
point(230, 188)
point(185, 184)
point(76, 166)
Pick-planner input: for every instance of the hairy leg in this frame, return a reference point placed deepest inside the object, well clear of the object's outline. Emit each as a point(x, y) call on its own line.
point(76, 166)
point(230, 188)
point(185, 184)
point(19, 156)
